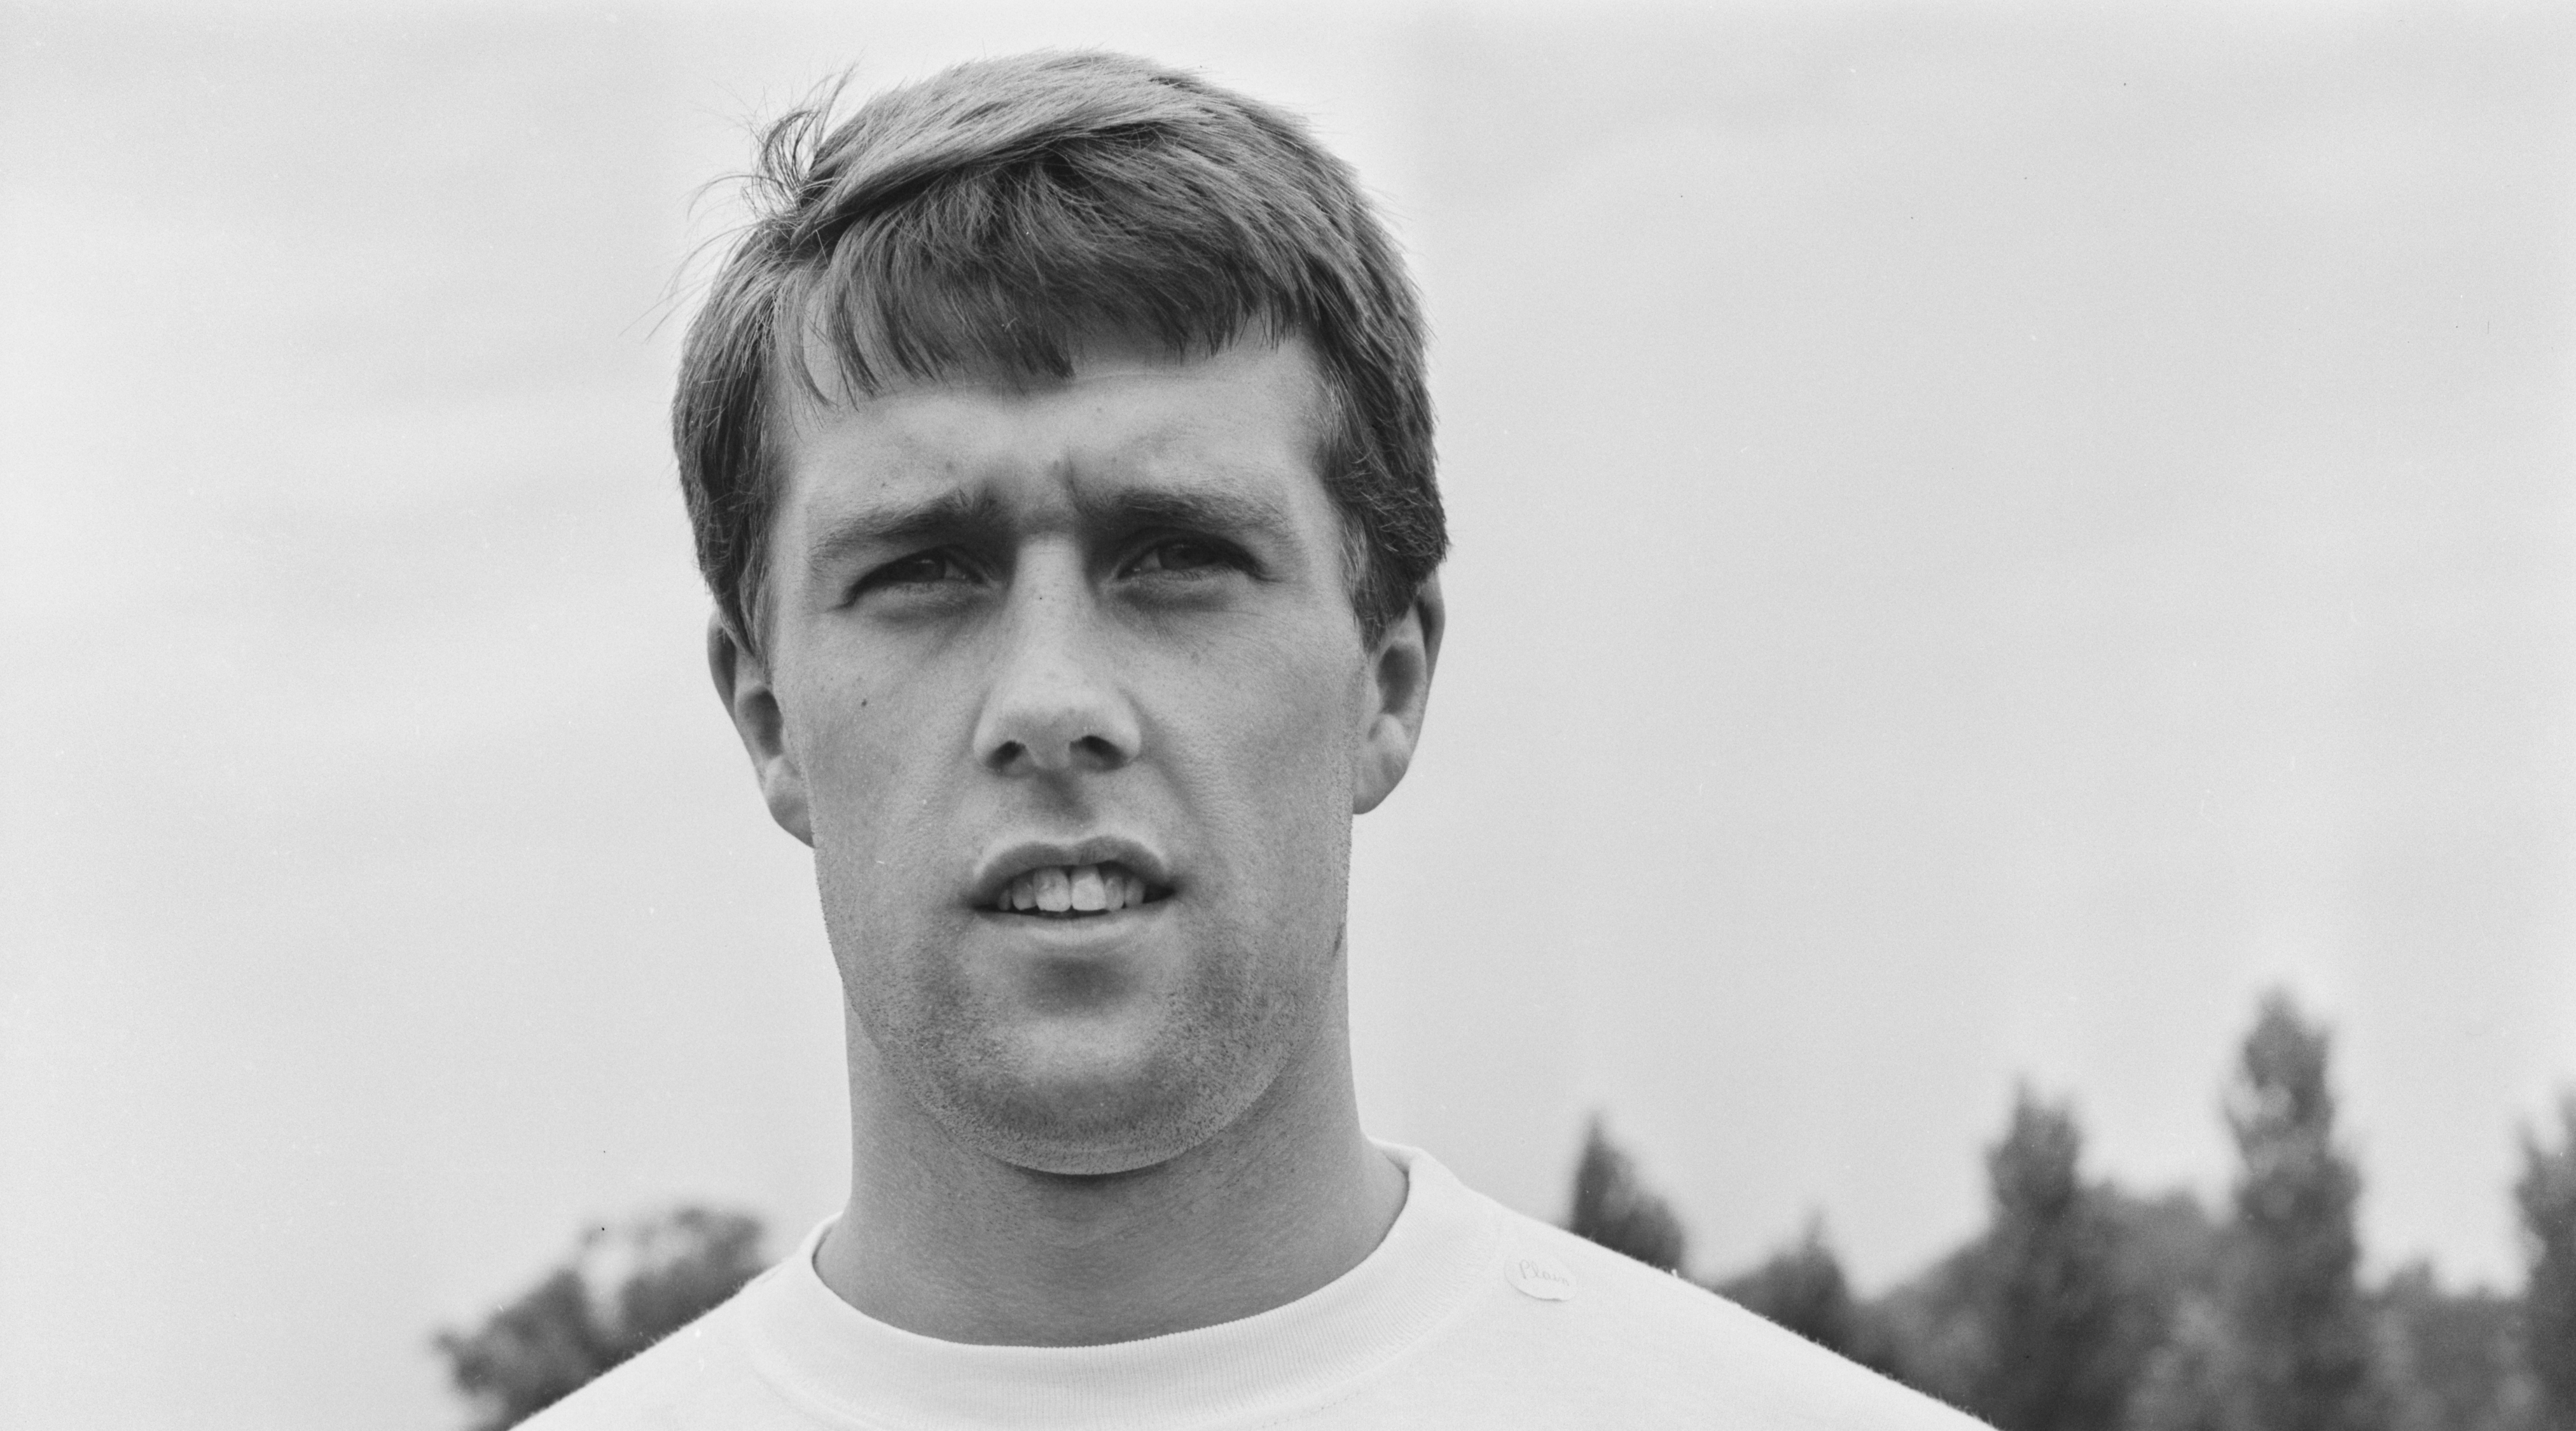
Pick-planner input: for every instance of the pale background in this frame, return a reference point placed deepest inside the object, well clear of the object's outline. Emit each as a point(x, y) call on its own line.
point(1985, 538)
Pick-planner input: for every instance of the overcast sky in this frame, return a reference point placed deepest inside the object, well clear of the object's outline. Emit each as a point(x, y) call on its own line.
point(1986, 538)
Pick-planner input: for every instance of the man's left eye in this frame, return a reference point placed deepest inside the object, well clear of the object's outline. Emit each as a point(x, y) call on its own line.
point(1180, 554)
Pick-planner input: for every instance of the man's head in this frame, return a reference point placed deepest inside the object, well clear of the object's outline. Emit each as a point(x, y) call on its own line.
point(1061, 464)
point(990, 220)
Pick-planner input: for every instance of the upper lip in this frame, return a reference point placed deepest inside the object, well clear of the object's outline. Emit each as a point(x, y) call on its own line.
point(998, 868)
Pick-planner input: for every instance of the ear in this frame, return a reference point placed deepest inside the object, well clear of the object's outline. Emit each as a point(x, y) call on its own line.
point(742, 682)
point(1398, 691)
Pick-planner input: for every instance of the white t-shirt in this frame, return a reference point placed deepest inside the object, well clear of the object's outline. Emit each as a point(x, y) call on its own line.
point(1467, 1315)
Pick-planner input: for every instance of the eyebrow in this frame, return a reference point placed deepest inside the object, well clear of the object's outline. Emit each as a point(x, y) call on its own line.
point(968, 515)
point(899, 524)
point(1213, 510)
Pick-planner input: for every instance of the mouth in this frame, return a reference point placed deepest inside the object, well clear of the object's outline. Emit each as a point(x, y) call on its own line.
point(1075, 891)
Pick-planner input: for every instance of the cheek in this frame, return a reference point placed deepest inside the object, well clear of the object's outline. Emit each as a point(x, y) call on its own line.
point(1285, 743)
point(833, 749)
point(845, 740)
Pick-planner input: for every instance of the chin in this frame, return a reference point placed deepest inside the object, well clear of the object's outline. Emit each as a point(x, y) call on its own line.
point(1079, 1104)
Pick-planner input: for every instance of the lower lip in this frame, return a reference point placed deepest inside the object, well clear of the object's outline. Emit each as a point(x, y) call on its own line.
point(1073, 928)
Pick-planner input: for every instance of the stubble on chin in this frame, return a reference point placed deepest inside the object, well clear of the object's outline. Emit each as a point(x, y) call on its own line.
point(1074, 1092)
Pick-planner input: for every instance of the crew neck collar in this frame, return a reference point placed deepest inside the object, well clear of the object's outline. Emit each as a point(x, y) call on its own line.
point(842, 1363)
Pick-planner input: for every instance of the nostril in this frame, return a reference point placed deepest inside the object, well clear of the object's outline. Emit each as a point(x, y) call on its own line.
point(1099, 750)
point(1006, 755)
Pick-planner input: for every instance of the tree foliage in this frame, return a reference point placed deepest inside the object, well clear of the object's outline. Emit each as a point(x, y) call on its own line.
point(2299, 1332)
point(1801, 1287)
point(2080, 1307)
point(2545, 1195)
point(2449, 1360)
point(2058, 1349)
point(2186, 1385)
point(2040, 1275)
point(1614, 1208)
point(623, 1289)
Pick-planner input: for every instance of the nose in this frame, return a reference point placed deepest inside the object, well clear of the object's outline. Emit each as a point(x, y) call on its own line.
point(1055, 706)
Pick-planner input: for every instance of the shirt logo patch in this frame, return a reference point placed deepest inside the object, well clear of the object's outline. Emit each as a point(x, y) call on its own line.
point(1541, 1276)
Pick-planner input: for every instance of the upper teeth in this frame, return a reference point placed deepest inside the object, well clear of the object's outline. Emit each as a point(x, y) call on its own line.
point(1084, 888)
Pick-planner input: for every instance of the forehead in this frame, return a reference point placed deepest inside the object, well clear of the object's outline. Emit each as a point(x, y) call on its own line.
point(1251, 416)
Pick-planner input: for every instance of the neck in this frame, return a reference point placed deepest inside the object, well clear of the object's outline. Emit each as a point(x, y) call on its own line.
point(952, 1243)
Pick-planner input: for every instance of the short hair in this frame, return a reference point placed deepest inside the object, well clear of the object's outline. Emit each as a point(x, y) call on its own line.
point(990, 219)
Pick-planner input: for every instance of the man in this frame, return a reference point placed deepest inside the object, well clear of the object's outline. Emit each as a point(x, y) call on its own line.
point(1060, 459)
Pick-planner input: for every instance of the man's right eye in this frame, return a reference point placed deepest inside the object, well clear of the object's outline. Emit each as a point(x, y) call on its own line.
point(919, 570)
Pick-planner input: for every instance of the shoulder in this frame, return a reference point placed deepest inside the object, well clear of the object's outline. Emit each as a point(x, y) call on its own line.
point(699, 1376)
point(1630, 1332)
